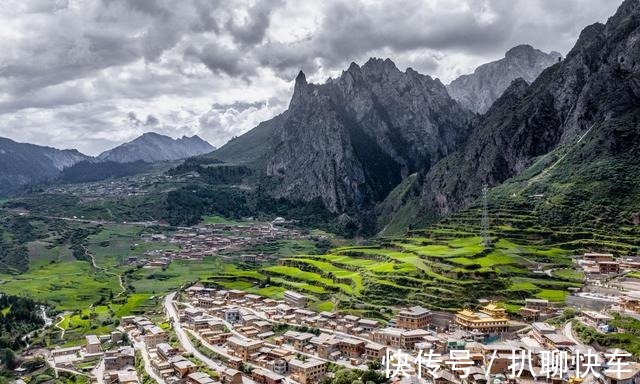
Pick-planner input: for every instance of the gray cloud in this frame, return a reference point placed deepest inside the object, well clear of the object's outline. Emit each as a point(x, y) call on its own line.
point(71, 72)
point(254, 26)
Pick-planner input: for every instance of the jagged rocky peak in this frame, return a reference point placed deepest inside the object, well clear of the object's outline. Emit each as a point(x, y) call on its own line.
point(352, 139)
point(593, 92)
point(477, 91)
point(525, 52)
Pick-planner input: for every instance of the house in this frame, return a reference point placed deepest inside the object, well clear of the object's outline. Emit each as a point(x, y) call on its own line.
point(351, 347)
point(298, 339)
point(236, 294)
point(65, 351)
point(367, 325)
point(93, 345)
point(116, 336)
point(557, 341)
point(165, 351)
point(154, 335)
point(192, 313)
point(310, 371)
point(232, 315)
point(262, 376)
point(280, 366)
point(127, 376)
point(231, 376)
point(399, 338)
point(595, 319)
point(200, 378)
point(295, 299)
point(183, 368)
point(597, 257)
point(413, 318)
point(539, 331)
point(243, 348)
point(608, 267)
point(374, 351)
point(117, 360)
point(630, 302)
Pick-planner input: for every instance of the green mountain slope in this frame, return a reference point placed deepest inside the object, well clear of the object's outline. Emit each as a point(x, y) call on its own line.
point(584, 108)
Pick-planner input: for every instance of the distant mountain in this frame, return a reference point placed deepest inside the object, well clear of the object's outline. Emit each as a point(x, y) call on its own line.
point(252, 146)
point(152, 147)
point(350, 141)
point(22, 164)
point(477, 91)
point(573, 135)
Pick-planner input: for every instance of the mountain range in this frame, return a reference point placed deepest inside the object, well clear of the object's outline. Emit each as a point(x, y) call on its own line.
point(354, 139)
point(574, 132)
point(24, 164)
point(152, 147)
point(350, 141)
point(384, 145)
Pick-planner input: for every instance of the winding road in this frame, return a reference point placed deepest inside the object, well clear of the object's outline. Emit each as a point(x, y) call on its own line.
point(186, 343)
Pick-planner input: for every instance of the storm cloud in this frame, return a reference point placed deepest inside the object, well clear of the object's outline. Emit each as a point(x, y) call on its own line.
point(92, 74)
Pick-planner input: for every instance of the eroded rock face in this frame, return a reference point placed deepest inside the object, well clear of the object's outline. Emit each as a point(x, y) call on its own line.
point(477, 91)
point(598, 82)
point(351, 140)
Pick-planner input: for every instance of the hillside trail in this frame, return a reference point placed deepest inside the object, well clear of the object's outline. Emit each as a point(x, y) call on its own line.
point(105, 270)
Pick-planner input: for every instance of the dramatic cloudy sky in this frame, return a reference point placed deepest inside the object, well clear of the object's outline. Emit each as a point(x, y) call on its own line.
point(93, 74)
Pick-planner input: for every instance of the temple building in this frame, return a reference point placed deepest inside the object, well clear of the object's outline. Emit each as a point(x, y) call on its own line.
point(490, 319)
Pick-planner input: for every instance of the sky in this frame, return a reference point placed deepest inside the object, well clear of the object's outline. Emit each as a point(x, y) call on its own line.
point(93, 74)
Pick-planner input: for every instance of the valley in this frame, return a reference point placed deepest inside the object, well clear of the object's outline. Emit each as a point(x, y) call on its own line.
point(380, 211)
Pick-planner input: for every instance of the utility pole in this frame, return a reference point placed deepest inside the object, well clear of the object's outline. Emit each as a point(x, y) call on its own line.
point(486, 240)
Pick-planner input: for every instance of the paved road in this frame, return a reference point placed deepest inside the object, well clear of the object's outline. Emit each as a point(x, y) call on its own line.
point(568, 333)
point(98, 372)
point(230, 326)
point(147, 360)
point(186, 343)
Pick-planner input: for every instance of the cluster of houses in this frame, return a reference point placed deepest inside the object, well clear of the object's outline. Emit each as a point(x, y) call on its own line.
point(195, 243)
point(611, 284)
point(124, 187)
point(167, 361)
point(250, 327)
point(607, 264)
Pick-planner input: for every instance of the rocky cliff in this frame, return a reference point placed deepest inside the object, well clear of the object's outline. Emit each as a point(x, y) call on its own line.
point(478, 91)
point(353, 139)
point(587, 105)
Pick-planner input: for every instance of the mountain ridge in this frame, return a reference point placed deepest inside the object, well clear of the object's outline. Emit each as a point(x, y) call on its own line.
point(23, 163)
point(351, 140)
point(153, 147)
point(588, 100)
point(478, 90)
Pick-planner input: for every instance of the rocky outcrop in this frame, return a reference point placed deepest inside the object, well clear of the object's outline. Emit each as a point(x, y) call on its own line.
point(22, 164)
point(353, 139)
point(478, 91)
point(586, 95)
point(152, 147)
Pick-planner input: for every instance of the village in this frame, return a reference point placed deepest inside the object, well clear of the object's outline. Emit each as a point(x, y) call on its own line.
point(198, 242)
point(232, 337)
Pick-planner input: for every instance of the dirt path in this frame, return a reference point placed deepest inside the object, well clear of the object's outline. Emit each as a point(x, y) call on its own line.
point(57, 325)
point(95, 265)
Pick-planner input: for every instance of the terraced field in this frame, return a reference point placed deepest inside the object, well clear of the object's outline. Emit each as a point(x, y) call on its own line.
point(444, 266)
